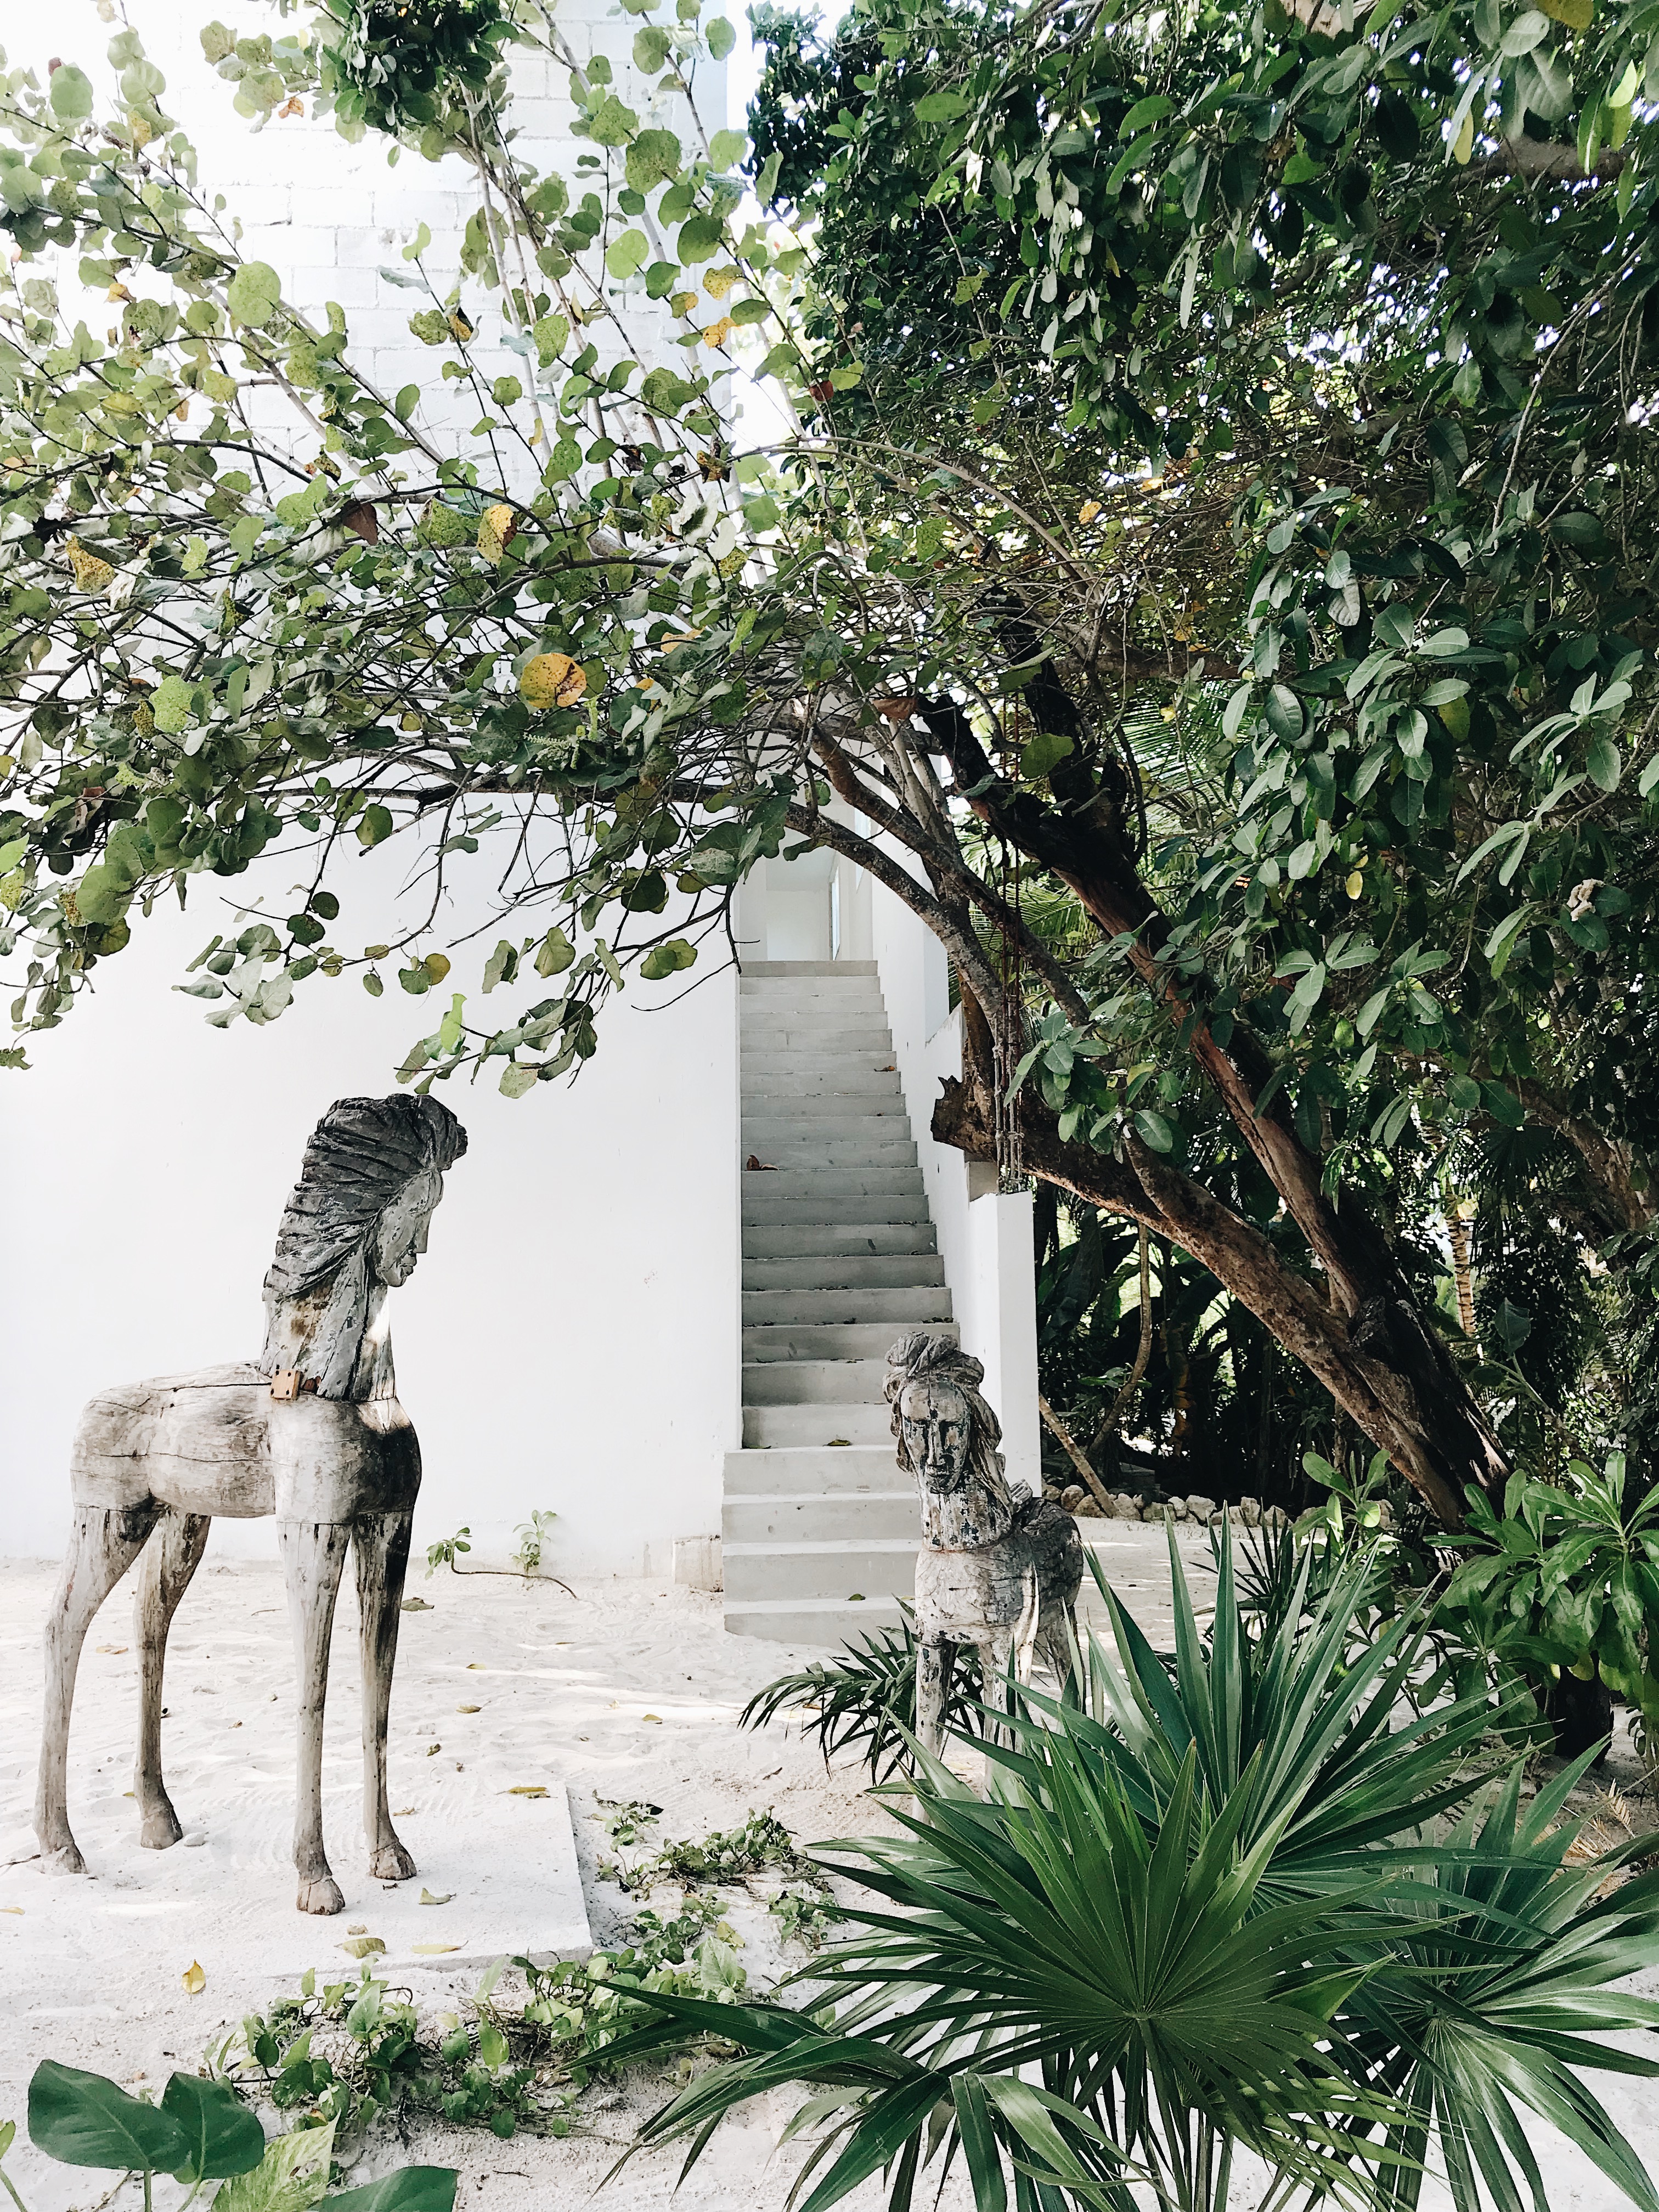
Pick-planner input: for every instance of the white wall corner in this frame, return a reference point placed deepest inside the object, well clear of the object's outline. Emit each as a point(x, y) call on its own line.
point(1003, 1259)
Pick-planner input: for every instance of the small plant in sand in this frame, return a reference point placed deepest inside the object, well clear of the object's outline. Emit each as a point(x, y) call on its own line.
point(533, 1534)
point(201, 2131)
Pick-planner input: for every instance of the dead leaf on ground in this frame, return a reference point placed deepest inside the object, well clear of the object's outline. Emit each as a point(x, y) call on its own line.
point(427, 1897)
point(195, 1978)
point(528, 1790)
point(431, 1950)
point(113, 1649)
point(469, 1709)
point(364, 1946)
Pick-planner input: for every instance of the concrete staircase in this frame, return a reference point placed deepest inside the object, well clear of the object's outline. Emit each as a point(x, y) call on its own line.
point(819, 1528)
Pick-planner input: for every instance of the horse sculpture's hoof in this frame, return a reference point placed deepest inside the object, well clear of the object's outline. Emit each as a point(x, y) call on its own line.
point(160, 1827)
point(391, 1862)
point(321, 1895)
point(62, 1859)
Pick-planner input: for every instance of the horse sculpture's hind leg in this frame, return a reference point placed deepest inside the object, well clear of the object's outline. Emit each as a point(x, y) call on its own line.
point(165, 1576)
point(103, 1545)
point(313, 1554)
point(382, 1543)
point(934, 1663)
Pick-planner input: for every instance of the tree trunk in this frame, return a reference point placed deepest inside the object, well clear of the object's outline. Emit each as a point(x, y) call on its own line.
point(1377, 1358)
point(1368, 1344)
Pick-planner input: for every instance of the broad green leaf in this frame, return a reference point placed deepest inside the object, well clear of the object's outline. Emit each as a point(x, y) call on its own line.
point(84, 2119)
point(626, 254)
point(940, 107)
point(1604, 764)
point(653, 157)
point(173, 703)
point(254, 294)
point(224, 2137)
point(72, 94)
point(611, 123)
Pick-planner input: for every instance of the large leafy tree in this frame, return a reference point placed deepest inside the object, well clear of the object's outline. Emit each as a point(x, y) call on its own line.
point(1213, 506)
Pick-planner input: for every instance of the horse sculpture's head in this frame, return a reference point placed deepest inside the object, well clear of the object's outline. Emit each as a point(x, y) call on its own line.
point(947, 1437)
point(355, 1226)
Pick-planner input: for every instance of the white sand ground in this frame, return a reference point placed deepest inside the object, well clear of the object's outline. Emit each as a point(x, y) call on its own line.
point(628, 1690)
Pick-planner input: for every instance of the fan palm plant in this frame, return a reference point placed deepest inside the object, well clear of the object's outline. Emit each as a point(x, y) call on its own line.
point(868, 1696)
point(1209, 1914)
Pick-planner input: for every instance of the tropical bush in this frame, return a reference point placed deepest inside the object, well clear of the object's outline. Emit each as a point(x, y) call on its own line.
point(1566, 1579)
point(1246, 1907)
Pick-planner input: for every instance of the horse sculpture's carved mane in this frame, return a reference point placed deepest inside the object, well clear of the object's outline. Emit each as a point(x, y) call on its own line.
point(370, 1177)
point(985, 1508)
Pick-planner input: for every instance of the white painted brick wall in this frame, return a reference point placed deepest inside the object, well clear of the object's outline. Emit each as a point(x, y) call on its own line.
point(328, 216)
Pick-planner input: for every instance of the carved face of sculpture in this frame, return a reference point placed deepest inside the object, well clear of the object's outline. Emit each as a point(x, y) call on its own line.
point(937, 1432)
point(400, 1238)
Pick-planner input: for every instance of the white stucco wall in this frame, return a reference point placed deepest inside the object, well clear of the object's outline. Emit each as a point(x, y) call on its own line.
point(985, 1236)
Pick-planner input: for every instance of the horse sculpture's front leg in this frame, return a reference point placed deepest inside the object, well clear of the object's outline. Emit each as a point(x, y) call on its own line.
point(103, 1545)
point(165, 1576)
point(382, 1543)
point(313, 1554)
point(934, 1664)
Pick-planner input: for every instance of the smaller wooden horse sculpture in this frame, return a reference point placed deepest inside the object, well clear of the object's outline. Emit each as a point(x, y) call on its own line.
point(998, 1570)
point(312, 1432)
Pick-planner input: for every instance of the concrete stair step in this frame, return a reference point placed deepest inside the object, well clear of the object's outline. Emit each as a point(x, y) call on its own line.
point(780, 1069)
point(838, 1268)
point(824, 1036)
point(855, 1381)
point(762, 1211)
point(761, 1002)
point(837, 1090)
point(819, 1625)
point(898, 1180)
point(793, 1426)
point(840, 1471)
point(887, 1515)
point(801, 1120)
point(880, 1567)
point(769, 1308)
point(861, 1153)
point(761, 970)
point(849, 1242)
point(814, 1342)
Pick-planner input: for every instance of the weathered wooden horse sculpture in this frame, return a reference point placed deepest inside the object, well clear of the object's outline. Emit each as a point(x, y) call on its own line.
point(311, 1433)
point(998, 1568)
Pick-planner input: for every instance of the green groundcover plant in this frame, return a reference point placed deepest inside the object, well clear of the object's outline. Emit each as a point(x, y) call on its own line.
point(200, 2132)
point(1242, 1921)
